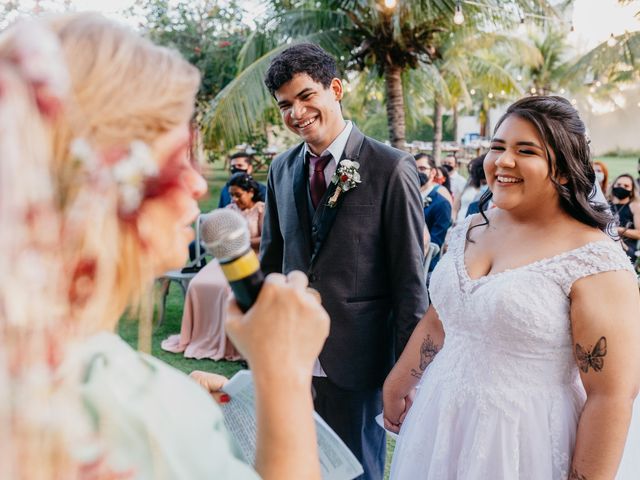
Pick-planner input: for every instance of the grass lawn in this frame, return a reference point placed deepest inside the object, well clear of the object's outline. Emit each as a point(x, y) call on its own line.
point(216, 177)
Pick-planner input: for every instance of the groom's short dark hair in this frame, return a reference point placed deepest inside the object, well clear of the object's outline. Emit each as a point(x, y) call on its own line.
point(301, 58)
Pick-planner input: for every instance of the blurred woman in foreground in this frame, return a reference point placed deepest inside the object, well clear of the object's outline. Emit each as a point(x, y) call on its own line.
point(97, 194)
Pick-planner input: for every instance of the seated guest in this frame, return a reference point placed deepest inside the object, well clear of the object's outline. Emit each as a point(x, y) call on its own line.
point(437, 209)
point(240, 162)
point(202, 331)
point(248, 199)
point(99, 119)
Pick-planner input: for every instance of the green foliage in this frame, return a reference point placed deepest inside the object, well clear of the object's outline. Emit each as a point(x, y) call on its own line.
point(208, 35)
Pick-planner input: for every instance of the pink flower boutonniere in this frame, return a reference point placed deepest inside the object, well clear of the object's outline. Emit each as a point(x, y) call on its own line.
point(346, 177)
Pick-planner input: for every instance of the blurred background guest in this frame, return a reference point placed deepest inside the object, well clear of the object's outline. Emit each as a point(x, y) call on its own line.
point(247, 199)
point(626, 208)
point(240, 162)
point(472, 189)
point(437, 208)
point(602, 175)
point(457, 181)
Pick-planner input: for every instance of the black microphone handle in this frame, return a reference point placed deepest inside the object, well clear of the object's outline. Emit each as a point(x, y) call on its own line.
point(245, 277)
point(246, 289)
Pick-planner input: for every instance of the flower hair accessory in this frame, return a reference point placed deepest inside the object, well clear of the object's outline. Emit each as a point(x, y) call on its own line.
point(38, 55)
point(346, 177)
point(130, 171)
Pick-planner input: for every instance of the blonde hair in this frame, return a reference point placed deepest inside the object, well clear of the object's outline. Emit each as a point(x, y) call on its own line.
point(60, 221)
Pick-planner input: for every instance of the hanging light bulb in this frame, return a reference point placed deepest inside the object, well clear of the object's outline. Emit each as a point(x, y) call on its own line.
point(612, 42)
point(502, 92)
point(522, 27)
point(490, 96)
point(562, 91)
point(572, 28)
point(598, 84)
point(472, 91)
point(390, 3)
point(574, 101)
point(458, 17)
point(519, 78)
point(533, 90)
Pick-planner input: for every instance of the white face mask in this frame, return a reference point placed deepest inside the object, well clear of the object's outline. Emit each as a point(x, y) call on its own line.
point(600, 176)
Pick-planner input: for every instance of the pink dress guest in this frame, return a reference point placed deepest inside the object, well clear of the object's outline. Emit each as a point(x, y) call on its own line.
point(202, 333)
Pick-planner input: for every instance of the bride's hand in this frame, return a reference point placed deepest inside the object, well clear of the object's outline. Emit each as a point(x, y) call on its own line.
point(395, 409)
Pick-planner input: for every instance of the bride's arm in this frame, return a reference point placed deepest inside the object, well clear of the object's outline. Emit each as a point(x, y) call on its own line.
point(425, 342)
point(605, 318)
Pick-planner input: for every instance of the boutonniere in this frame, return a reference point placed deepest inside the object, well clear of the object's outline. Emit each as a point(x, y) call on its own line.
point(427, 201)
point(346, 177)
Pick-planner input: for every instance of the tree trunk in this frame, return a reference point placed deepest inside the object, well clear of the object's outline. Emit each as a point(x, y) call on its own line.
point(395, 106)
point(437, 131)
point(485, 121)
point(456, 139)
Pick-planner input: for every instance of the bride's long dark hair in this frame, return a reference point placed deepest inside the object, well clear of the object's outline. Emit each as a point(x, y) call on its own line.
point(564, 133)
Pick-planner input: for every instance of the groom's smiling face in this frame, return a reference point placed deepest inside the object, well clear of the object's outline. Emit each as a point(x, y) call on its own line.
point(311, 111)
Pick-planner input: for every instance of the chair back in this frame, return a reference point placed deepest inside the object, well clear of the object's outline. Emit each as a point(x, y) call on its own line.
point(431, 253)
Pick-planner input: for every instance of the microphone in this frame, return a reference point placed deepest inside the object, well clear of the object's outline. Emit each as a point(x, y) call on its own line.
point(225, 234)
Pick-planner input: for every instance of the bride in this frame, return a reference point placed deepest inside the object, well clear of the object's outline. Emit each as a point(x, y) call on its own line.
point(528, 359)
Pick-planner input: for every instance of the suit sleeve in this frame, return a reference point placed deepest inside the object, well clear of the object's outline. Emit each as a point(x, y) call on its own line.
point(271, 243)
point(403, 220)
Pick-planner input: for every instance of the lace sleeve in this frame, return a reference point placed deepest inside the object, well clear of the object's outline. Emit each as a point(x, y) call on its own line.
point(593, 258)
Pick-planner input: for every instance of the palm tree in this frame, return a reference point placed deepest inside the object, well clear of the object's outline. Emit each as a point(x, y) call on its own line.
point(469, 60)
point(362, 34)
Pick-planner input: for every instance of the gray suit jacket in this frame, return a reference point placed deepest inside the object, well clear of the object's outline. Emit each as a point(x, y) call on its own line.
point(364, 256)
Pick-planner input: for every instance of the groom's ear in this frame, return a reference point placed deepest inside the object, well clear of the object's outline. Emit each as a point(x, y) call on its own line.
point(337, 89)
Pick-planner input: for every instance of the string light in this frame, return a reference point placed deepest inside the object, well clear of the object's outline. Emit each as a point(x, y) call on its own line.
point(458, 17)
point(519, 78)
point(598, 84)
point(562, 91)
point(502, 92)
point(574, 101)
point(490, 95)
point(390, 3)
point(612, 42)
point(472, 91)
point(533, 90)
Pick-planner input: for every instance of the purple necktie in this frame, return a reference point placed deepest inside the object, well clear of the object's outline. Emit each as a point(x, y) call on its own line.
point(318, 185)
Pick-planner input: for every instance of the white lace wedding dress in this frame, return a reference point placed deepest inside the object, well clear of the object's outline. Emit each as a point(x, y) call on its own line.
point(503, 397)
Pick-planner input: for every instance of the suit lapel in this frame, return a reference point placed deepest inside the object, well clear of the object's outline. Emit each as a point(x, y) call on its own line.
point(300, 187)
point(325, 216)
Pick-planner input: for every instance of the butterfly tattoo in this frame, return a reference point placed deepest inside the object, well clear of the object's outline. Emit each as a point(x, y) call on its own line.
point(594, 358)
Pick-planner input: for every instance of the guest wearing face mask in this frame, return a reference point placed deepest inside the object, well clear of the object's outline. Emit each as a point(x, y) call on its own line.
point(602, 175)
point(624, 205)
point(240, 162)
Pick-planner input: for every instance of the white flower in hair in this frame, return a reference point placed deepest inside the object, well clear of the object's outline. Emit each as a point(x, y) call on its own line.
point(82, 152)
point(39, 54)
point(131, 173)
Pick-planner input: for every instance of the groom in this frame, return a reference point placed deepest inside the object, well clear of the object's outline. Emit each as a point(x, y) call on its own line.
point(359, 240)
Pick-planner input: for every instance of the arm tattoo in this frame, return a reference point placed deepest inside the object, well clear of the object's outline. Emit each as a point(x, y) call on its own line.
point(575, 475)
point(428, 351)
point(593, 358)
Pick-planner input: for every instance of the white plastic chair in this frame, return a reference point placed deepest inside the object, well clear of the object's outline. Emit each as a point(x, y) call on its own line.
point(432, 252)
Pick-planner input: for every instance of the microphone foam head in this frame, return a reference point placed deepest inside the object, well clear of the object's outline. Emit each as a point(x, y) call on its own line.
point(225, 233)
